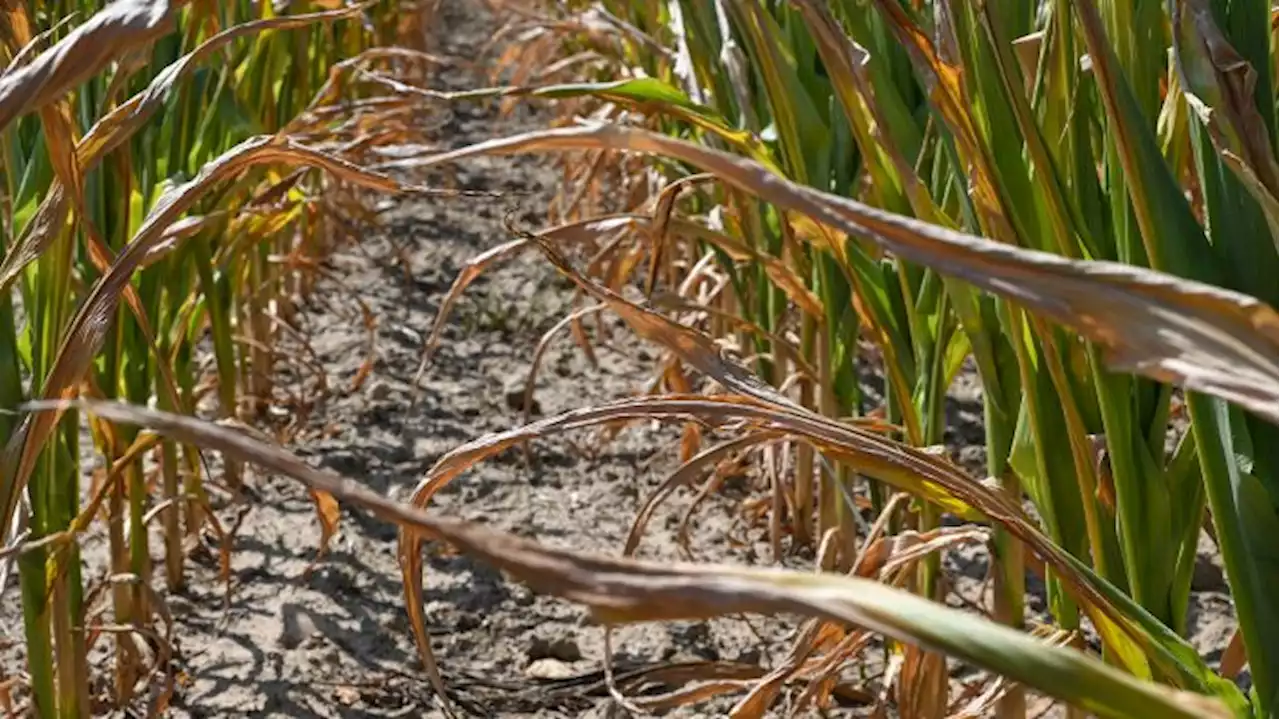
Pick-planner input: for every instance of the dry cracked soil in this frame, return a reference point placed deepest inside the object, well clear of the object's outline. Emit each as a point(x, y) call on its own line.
point(335, 641)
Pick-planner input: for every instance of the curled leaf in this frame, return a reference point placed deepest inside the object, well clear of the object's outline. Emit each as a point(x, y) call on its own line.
point(121, 27)
point(622, 590)
point(1171, 329)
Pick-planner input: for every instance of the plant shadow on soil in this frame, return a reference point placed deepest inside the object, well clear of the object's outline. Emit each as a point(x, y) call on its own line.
point(334, 641)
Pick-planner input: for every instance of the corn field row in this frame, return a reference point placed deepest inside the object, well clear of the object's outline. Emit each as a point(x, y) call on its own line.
point(171, 171)
point(1076, 199)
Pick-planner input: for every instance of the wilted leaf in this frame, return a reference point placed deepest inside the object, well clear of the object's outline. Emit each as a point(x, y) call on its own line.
point(619, 590)
point(86, 332)
point(571, 233)
point(1233, 657)
point(123, 122)
point(328, 512)
point(1219, 87)
point(121, 27)
point(1171, 329)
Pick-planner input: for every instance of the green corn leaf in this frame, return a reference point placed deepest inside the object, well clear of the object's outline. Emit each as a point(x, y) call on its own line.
point(1173, 240)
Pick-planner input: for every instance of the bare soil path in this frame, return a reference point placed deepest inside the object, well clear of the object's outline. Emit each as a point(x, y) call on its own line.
point(336, 642)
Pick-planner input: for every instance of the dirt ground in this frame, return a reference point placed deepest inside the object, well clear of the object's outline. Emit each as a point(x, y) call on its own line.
point(335, 642)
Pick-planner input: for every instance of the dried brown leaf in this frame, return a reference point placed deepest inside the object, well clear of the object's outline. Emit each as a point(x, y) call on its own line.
point(1219, 84)
point(1170, 329)
point(329, 514)
point(122, 123)
point(120, 28)
point(1233, 657)
point(87, 330)
point(619, 590)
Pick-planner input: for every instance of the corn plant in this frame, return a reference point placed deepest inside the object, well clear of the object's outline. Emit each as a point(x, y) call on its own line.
point(157, 194)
